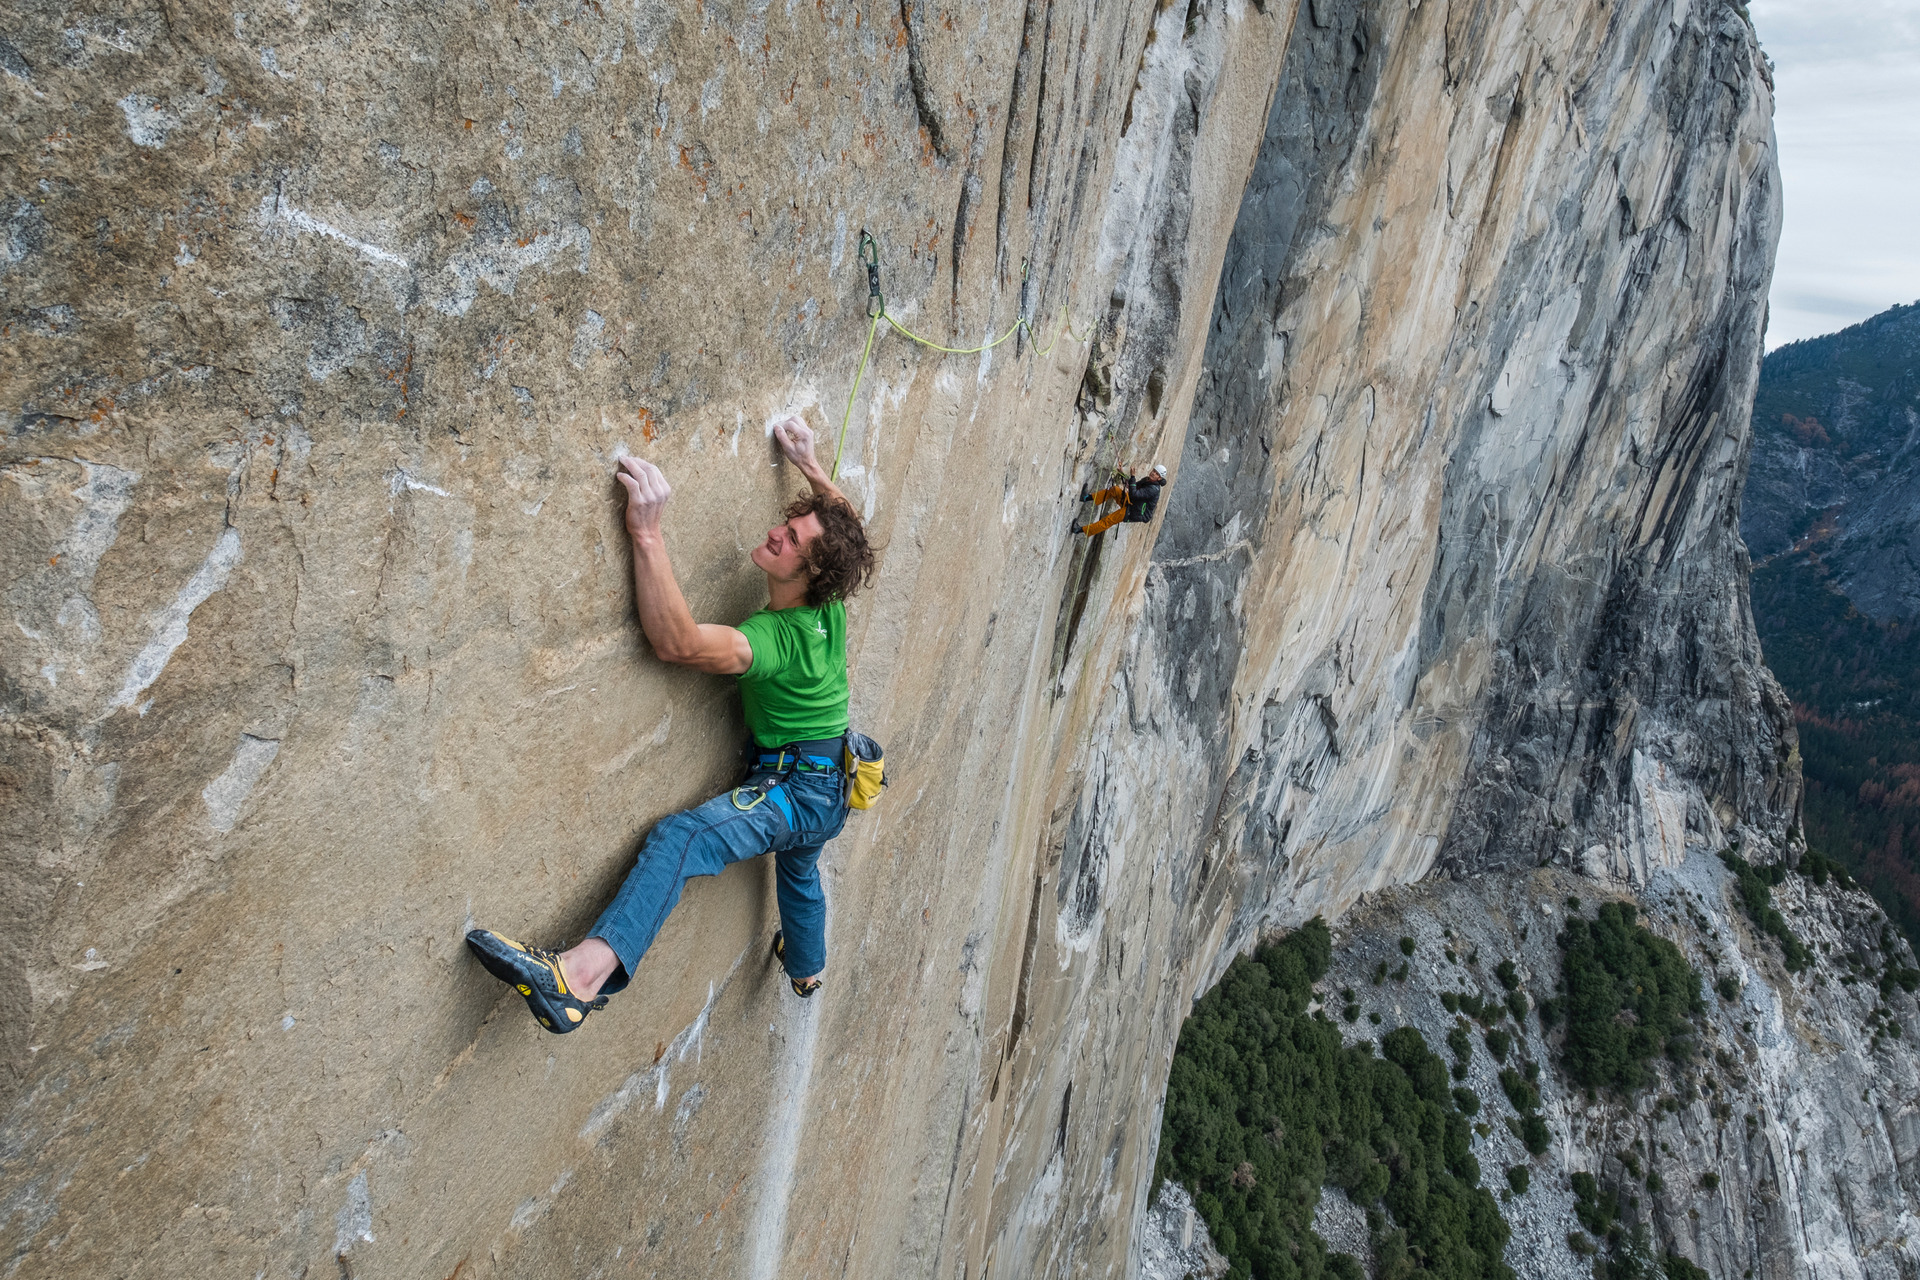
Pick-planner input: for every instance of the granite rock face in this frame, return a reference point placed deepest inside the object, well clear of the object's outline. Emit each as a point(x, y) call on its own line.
point(323, 327)
point(1173, 1243)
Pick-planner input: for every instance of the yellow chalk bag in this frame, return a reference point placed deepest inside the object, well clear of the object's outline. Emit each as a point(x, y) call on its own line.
point(866, 771)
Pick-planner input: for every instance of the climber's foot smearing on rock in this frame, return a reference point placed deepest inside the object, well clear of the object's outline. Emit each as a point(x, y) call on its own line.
point(802, 987)
point(537, 975)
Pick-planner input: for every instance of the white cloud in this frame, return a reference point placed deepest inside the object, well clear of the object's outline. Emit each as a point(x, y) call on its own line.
point(1847, 115)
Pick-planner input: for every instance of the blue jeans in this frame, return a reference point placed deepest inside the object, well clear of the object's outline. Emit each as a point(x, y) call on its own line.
point(793, 822)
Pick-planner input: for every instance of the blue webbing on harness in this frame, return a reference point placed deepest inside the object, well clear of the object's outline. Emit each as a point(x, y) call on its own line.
point(781, 764)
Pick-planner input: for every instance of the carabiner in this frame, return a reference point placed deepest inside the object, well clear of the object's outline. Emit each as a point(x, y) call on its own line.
point(870, 256)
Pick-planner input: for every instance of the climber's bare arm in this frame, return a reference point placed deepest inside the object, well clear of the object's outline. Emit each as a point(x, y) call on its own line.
point(664, 615)
point(796, 441)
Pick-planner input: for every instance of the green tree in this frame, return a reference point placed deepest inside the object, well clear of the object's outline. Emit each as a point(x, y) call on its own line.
point(1265, 1105)
point(1629, 995)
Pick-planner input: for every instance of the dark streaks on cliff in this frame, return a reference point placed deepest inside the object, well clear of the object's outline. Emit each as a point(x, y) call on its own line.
point(1040, 109)
point(923, 105)
point(1630, 668)
point(1217, 507)
point(1009, 153)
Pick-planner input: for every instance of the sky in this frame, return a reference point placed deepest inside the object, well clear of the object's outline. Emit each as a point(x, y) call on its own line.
point(1847, 116)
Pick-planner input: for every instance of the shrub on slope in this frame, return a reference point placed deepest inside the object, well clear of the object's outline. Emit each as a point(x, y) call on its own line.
point(1264, 1105)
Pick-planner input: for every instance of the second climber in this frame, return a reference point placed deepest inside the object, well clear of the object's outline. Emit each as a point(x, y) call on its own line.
point(1137, 499)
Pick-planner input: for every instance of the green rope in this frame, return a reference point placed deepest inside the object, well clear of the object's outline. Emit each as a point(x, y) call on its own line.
point(847, 417)
point(870, 257)
point(1066, 327)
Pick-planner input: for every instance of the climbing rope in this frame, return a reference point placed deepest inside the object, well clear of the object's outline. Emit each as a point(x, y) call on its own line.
point(877, 311)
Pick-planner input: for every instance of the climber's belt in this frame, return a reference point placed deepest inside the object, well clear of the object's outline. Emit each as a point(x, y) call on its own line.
point(809, 757)
point(828, 747)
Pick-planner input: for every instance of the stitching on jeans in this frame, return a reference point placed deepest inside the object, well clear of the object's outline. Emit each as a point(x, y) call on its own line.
point(680, 868)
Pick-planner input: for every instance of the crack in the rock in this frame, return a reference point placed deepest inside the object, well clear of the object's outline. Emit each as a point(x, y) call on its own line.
point(917, 80)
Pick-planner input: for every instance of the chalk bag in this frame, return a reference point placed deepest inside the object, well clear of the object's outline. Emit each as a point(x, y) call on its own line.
point(866, 771)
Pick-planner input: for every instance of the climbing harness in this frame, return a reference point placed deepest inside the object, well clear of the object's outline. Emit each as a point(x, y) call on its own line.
point(750, 793)
point(767, 769)
point(761, 777)
point(860, 759)
point(877, 311)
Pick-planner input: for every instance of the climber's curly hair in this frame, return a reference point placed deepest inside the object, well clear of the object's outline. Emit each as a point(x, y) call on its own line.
point(839, 561)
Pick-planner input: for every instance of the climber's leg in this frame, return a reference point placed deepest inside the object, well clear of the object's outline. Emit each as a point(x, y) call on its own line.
point(694, 842)
point(803, 911)
point(588, 964)
point(1106, 522)
point(802, 987)
point(1112, 493)
point(819, 811)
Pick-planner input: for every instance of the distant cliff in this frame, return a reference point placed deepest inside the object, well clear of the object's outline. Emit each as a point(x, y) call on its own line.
point(1836, 459)
point(323, 327)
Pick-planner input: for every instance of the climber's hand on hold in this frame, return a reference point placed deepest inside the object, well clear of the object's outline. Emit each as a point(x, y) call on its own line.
point(647, 494)
point(796, 442)
point(664, 616)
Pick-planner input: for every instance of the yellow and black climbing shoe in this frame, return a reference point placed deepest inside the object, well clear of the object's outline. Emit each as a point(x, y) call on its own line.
point(804, 988)
point(536, 975)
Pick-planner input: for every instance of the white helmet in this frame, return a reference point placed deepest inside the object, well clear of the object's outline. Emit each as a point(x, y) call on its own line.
point(1160, 471)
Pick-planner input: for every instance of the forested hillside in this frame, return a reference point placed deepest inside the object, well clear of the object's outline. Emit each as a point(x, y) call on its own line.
point(1832, 521)
point(1528, 1074)
point(1855, 685)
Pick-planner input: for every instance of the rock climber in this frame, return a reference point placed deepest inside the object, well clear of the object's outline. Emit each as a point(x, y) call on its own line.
point(1137, 499)
point(791, 662)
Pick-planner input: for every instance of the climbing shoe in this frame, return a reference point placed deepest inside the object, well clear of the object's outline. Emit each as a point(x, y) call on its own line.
point(1086, 494)
point(536, 975)
point(803, 989)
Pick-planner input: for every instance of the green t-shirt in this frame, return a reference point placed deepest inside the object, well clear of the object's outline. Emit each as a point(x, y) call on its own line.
point(796, 689)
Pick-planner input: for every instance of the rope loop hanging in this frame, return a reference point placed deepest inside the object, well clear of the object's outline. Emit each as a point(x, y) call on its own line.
point(877, 311)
